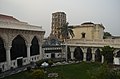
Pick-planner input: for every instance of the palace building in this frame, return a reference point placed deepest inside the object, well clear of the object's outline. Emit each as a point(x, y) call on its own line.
point(20, 42)
point(84, 46)
point(88, 41)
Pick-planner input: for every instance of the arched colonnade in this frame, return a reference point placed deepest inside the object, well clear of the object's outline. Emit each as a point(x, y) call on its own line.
point(89, 53)
point(19, 47)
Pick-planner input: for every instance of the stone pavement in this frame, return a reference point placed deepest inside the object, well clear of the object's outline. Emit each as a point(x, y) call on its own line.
point(14, 71)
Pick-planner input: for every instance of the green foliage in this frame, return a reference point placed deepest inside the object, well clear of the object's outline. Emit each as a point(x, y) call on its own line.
point(107, 52)
point(66, 31)
point(37, 74)
point(104, 72)
point(106, 34)
point(50, 62)
point(70, 71)
point(38, 63)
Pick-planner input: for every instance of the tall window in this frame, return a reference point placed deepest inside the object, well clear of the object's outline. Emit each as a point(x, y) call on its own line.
point(34, 49)
point(19, 48)
point(83, 35)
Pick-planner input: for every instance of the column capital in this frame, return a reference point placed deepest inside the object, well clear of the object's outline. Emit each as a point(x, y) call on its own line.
point(8, 47)
point(28, 45)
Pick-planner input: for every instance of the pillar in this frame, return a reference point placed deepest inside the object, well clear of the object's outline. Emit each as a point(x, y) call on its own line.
point(102, 59)
point(72, 55)
point(84, 54)
point(93, 55)
point(66, 57)
point(41, 51)
point(8, 57)
point(28, 52)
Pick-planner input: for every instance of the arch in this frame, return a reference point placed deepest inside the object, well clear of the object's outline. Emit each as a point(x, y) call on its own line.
point(89, 54)
point(68, 52)
point(2, 51)
point(22, 36)
point(19, 48)
point(98, 57)
point(78, 53)
point(117, 54)
point(34, 49)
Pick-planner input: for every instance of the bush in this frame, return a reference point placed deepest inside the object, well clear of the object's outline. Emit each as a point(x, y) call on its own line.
point(38, 63)
point(38, 74)
point(104, 72)
point(50, 62)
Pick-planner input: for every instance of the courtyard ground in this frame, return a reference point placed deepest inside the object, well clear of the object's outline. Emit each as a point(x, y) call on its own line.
point(70, 71)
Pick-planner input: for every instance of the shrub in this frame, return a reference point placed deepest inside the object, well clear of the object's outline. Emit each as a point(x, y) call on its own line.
point(50, 62)
point(38, 63)
point(104, 72)
point(37, 74)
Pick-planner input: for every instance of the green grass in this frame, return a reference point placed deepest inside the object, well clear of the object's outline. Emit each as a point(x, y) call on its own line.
point(71, 71)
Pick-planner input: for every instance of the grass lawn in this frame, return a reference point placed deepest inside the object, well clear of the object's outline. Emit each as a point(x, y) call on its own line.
point(71, 71)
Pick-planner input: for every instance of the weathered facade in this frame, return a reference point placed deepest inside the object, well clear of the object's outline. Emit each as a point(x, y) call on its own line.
point(20, 42)
point(88, 30)
point(58, 20)
point(88, 41)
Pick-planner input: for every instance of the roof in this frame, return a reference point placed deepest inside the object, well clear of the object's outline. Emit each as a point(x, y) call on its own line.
point(9, 22)
point(6, 17)
point(86, 23)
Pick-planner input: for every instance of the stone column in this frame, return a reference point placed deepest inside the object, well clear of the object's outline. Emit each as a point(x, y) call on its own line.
point(93, 55)
point(40, 51)
point(8, 57)
point(72, 55)
point(102, 59)
point(28, 52)
point(84, 54)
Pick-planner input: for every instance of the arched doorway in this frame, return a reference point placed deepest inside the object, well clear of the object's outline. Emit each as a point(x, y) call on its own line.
point(34, 49)
point(89, 54)
point(18, 49)
point(98, 56)
point(53, 55)
point(68, 53)
point(2, 51)
point(78, 53)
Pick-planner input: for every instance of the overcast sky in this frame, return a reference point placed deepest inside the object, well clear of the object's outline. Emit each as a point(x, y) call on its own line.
point(38, 12)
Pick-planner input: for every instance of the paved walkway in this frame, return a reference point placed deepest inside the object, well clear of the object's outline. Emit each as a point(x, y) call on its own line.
point(14, 71)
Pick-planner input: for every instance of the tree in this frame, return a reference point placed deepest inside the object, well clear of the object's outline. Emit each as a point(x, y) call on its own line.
point(65, 32)
point(106, 34)
point(107, 52)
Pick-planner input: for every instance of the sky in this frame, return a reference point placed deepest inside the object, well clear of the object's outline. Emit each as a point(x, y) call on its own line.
point(39, 12)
